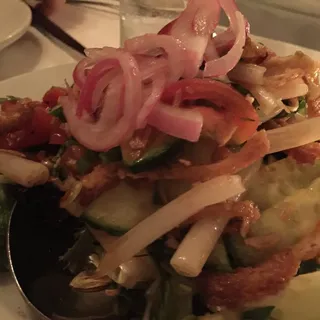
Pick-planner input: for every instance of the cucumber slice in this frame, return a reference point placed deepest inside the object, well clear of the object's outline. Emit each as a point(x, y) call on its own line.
point(218, 259)
point(280, 179)
point(168, 190)
point(118, 210)
point(242, 255)
point(147, 148)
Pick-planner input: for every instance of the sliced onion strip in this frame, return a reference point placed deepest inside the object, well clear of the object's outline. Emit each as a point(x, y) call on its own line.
point(170, 216)
point(223, 65)
point(23, 171)
point(194, 28)
point(294, 135)
point(269, 105)
point(247, 73)
point(172, 47)
point(292, 89)
point(153, 97)
point(197, 245)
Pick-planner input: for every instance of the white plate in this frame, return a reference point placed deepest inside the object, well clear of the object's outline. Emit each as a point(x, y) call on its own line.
point(34, 85)
point(311, 7)
point(15, 17)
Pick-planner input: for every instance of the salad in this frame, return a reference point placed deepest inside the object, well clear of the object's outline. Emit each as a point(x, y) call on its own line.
point(192, 159)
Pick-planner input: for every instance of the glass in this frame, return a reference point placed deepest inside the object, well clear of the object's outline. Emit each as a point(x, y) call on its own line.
point(138, 17)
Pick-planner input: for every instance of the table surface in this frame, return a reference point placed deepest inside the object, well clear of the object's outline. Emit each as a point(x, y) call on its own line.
point(32, 52)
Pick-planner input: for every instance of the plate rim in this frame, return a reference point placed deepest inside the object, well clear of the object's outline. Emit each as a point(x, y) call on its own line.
point(16, 33)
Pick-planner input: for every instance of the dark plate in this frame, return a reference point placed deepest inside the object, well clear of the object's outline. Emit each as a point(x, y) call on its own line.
point(39, 234)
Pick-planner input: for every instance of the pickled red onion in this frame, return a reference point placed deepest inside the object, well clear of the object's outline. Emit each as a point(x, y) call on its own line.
point(178, 122)
point(124, 89)
point(79, 72)
point(95, 135)
point(131, 75)
point(170, 45)
point(92, 82)
point(223, 65)
point(193, 28)
point(152, 99)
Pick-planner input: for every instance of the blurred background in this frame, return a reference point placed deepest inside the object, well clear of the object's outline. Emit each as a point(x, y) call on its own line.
point(93, 22)
point(61, 29)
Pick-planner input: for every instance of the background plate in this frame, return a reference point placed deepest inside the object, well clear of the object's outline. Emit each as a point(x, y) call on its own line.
point(15, 17)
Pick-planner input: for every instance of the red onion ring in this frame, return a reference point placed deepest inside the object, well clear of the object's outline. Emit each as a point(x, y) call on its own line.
point(224, 41)
point(193, 28)
point(223, 65)
point(172, 47)
point(180, 123)
point(96, 74)
point(108, 131)
point(153, 98)
point(79, 72)
point(118, 78)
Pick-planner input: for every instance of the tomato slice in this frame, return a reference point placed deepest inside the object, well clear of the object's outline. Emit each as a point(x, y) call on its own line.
point(229, 102)
point(52, 96)
point(58, 136)
point(44, 128)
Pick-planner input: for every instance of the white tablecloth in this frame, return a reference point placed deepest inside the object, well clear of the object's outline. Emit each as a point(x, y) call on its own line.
point(32, 52)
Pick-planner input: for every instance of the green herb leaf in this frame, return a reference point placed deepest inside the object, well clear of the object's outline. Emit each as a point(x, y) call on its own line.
point(173, 300)
point(89, 159)
point(244, 92)
point(56, 170)
point(301, 109)
point(262, 313)
point(58, 113)
point(112, 155)
point(302, 106)
point(240, 89)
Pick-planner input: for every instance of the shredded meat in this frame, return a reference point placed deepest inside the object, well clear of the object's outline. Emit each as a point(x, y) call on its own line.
point(255, 52)
point(252, 151)
point(313, 107)
point(281, 79)
point(102, 178)
point(308, 153)
point(246, 212)
point(14, 116)
point(280, 70)
point(234, 290)
point(299, 60)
